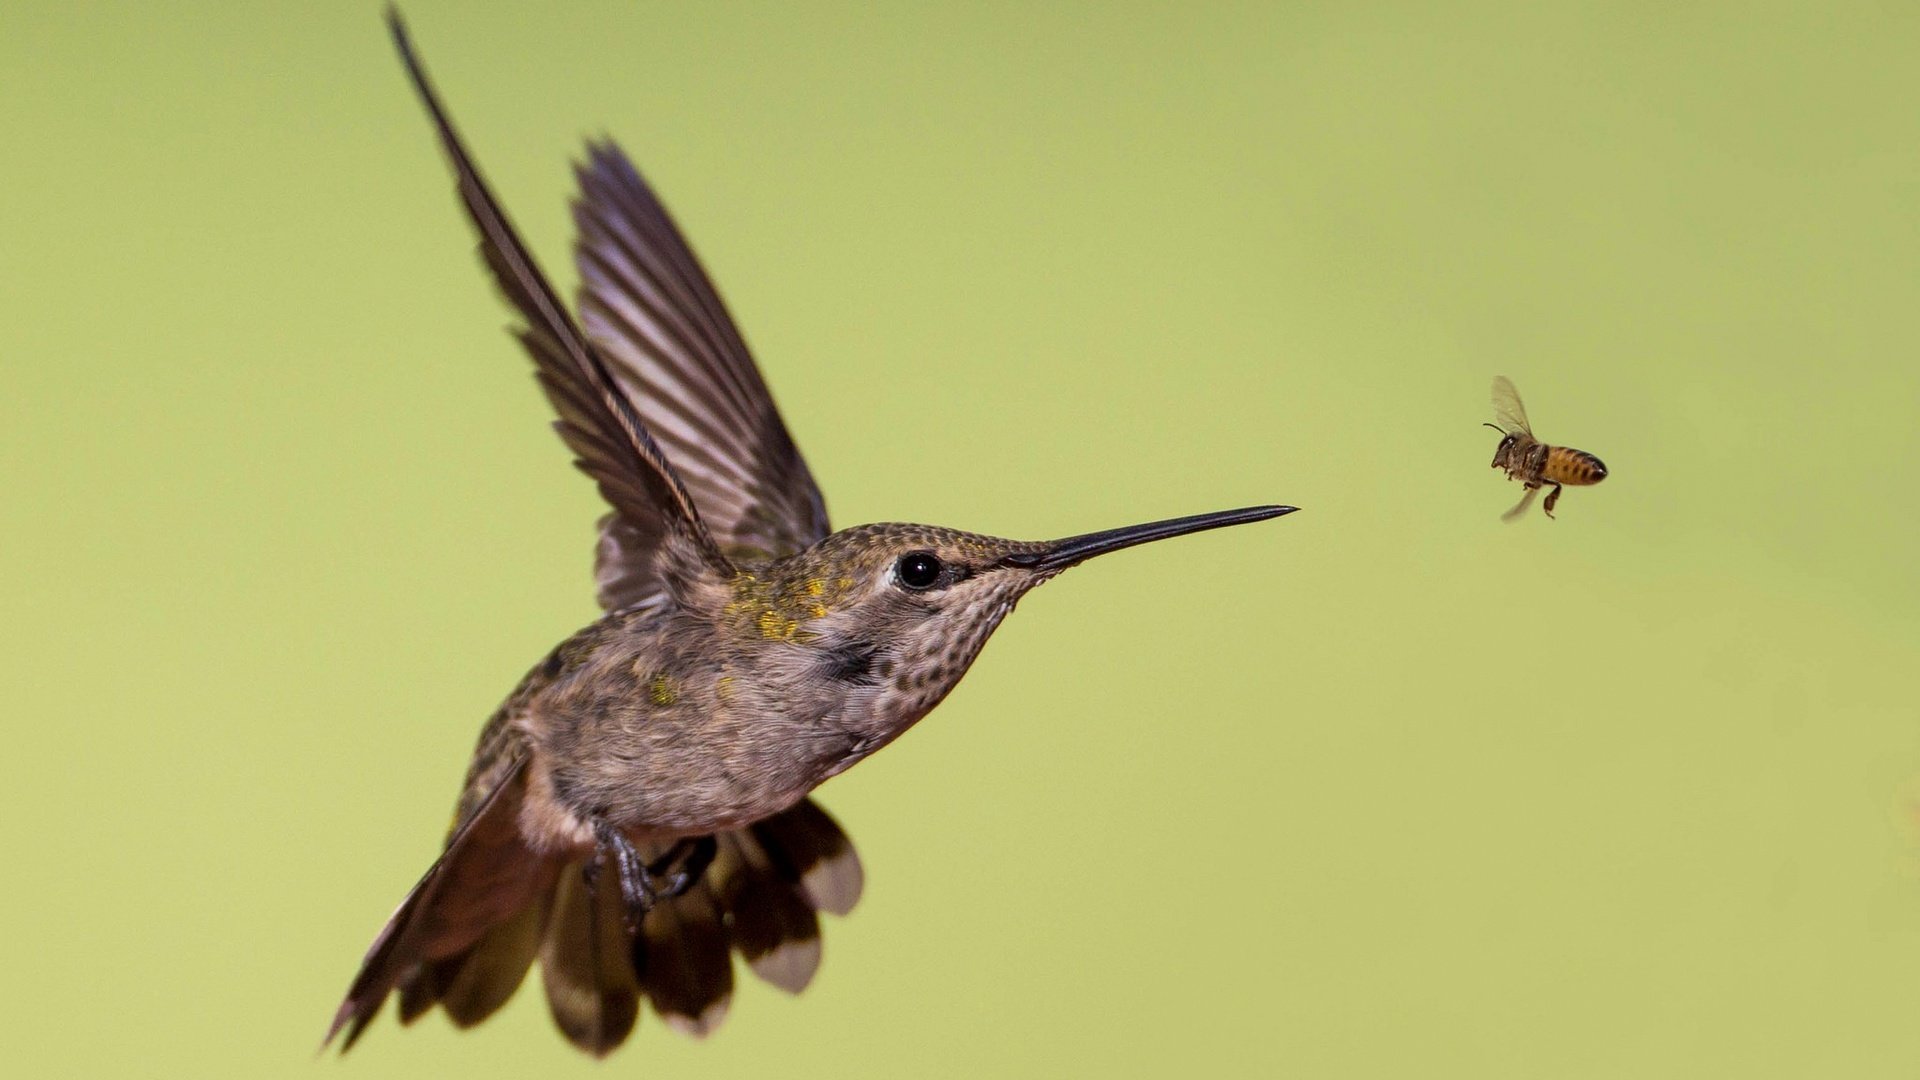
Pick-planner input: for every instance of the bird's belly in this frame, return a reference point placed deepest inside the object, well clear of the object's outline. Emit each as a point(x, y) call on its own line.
point(663, 776)
point(715, 799)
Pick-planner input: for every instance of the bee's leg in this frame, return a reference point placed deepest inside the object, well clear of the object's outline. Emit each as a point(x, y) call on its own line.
point(1552, 497)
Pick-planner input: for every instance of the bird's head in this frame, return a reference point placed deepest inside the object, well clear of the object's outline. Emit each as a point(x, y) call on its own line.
point(898, 612)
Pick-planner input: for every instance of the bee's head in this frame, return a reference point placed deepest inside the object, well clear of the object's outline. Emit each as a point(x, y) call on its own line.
point(1504, 451)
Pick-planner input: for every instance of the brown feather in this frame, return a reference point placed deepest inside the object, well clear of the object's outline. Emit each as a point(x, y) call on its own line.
point(810, 850)
point(420, 988)
point(597, 420)
point(484, 877)
point(657, 320)
point(493, 969)
point(586, 965)
point(772, 925)
point(683, 961)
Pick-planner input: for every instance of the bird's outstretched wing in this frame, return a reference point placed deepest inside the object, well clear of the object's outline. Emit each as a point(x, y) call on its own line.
point(599, 423)
point(654, 315)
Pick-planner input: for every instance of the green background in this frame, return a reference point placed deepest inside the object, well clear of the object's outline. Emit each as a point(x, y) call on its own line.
point(1387, 788)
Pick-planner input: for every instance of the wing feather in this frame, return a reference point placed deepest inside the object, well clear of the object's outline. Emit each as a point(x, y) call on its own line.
point(655, 316)
point(597, 419)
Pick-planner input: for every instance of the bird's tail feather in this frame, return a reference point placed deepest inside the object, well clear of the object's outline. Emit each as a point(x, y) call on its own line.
point(760, 896)
point(586, 965)
point(483, 879)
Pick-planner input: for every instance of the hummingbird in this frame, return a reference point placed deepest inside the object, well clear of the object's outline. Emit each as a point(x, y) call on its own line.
point(638, 809)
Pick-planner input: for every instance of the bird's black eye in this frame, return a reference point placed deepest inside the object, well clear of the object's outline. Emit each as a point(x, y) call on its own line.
point(918, 570)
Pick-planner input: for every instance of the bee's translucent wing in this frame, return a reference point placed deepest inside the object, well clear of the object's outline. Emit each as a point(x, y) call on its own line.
point(1507, 410)
point(1521, 506)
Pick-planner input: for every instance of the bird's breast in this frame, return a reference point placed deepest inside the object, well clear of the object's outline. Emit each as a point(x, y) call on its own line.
point(683, 744)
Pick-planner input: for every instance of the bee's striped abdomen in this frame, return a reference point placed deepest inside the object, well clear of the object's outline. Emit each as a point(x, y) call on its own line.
point(1565, 465)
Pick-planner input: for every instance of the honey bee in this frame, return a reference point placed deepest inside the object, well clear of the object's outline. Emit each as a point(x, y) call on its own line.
point(1531, 461)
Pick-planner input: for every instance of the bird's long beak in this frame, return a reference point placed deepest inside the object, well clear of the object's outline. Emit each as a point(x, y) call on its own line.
point(1077, 549)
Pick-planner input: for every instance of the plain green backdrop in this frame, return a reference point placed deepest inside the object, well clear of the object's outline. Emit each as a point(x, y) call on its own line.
point(1386, 788)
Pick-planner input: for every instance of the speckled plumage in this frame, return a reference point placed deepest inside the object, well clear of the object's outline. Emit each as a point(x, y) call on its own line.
point(638, 808)
point(728, 701)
